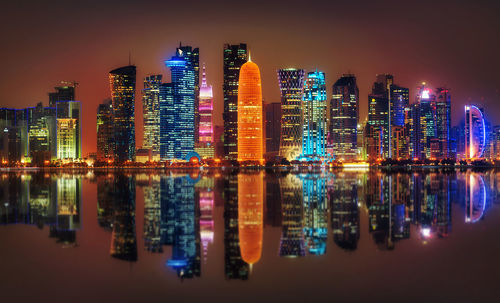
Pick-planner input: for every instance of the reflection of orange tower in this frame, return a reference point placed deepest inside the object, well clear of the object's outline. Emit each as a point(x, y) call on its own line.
point(250, 144)
point(250, 216)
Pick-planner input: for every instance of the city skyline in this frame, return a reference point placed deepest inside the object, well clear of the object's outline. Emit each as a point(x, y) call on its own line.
point(363, 51)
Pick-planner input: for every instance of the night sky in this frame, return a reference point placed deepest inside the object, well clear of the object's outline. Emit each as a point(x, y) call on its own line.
point(450, 43)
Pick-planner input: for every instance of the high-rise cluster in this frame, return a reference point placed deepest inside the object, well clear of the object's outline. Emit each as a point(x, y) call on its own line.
point(42, 134)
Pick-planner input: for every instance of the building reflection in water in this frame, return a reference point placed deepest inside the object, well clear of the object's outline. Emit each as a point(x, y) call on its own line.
point(315, 213)
point(179, 194)
point(42, 199)
point(292, 227)
point(205, 195)
point(343, 196)
point(234, 266)
point(251, 216)
point(123, 236)
point(475, 198)
point(152, 214)
point(179, 210)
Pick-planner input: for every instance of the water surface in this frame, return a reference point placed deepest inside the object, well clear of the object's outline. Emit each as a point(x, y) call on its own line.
point(250, 235)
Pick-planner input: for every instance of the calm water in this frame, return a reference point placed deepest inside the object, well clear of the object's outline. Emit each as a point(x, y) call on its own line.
point(424, 236)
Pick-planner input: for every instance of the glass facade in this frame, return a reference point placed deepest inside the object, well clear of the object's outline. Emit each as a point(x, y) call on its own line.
point(314, 116)
point(151, 114)
point(344, 116)
point(122, 84)
point(234, 57)
point(291, 83)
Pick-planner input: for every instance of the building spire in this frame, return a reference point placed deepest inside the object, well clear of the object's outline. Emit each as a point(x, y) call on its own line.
point(249, 57)
point(204, 77)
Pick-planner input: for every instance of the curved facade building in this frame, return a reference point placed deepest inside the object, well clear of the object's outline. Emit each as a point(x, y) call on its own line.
point(291, 83)
point(250, 134)
point(250, 216)
point(314, 115)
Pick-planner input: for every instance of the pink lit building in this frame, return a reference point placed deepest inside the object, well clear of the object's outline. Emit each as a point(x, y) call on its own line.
point(206, 146)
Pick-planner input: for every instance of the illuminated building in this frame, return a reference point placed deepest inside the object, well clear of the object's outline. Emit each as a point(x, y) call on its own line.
point(206, 143)
point(250, 133)
point(314, 105)
point(378, 116)
point(63, 93)
point(250, 216)
point(177, 101)
point(399, 142)
point(400, 100)
point(70, 145)
point(105, 135)
point(151, 114)
point(123, 236)
point(292, 226)
point(42, 136)
point(475, 132)
point(343, 196)
point(66, 139)
point(122, 84)
point(344, 116)
point(234, 57)
point(13, 135)
point(192, 55)
point(443, 121)
point(234, 266)
point(315, 213)
point(272, 126)
point(291, 82)
point(167, 124)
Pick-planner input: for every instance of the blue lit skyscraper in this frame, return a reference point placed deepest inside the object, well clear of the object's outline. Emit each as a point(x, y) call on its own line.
point(177, 102)
point(314, 116)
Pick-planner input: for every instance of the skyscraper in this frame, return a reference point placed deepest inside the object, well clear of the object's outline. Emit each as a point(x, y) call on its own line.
point(425, 123)
point(475, 132)
point(443, 121)
point(151, 114)
point(378, 116)
point(272, 126)
point(344, 116)
point(66, 139)
point(291, 82)
point(234, 57)
point(42, 136)
point(105, 142)
point(400, 99)
point(122, 84)
point(71, 145)
point(177, 106)
point(167, 124)
point(314, 116)
point(192, 55)
point(62, 93)
point(250, 133)
point(206, 142)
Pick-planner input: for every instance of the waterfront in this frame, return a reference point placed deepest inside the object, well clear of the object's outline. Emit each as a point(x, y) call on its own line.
point(346, 235)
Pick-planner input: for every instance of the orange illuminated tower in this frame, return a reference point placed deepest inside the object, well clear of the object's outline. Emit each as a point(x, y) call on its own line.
point(250, 144)
point(250, 215)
